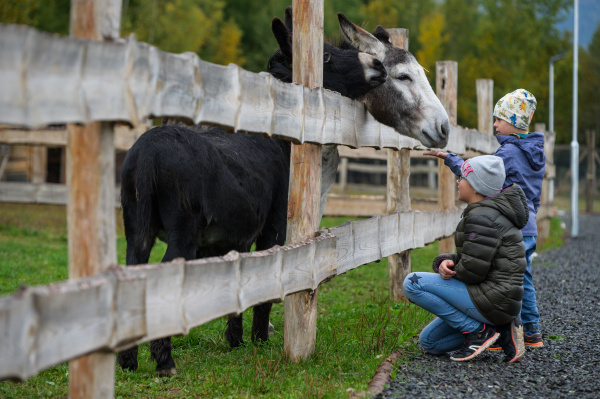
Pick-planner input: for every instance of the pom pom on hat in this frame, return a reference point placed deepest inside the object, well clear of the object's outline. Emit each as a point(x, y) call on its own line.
point(516, 108)
point(485, 174)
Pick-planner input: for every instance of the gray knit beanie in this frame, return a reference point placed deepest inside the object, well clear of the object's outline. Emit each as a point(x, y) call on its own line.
point(485, 174)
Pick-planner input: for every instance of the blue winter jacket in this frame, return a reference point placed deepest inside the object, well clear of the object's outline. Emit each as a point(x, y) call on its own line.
point(525, 162)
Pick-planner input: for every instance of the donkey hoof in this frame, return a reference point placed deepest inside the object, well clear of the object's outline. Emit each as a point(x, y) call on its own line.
point(271, 329)
point(167, 373)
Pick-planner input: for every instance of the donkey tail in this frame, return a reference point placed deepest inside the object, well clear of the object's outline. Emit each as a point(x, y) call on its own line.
point(140, 217)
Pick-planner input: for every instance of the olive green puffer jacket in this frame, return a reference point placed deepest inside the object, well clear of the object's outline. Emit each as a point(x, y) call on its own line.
point(490, 255)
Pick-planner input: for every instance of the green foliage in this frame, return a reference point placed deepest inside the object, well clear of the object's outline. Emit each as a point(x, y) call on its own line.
point(18, 12)
point(555, 238)
point(589, 99)
point(254, 19)
point(200, 26)
point(430, 32)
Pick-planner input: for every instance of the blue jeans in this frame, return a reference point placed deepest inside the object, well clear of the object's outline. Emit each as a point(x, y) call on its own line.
point(529, 310)
point(450, 301)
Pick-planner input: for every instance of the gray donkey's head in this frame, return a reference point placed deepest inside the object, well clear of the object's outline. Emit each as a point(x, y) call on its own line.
point(405, 101)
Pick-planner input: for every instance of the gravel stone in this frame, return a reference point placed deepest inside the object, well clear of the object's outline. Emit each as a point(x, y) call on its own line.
point(567, 281)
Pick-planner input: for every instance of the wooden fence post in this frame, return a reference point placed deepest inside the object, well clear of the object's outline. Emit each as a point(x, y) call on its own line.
point(300, 310)
point(343, 174)
point(447, 89)
point(590, 186)
point(485, 105)
point(398, 195)
point(39, 159)
point(90, 209)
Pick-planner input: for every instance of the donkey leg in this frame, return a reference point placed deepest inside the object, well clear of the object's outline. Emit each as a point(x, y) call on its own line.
point(127, 359)
point(160, 351)
point(235, 331)
point(260, 322)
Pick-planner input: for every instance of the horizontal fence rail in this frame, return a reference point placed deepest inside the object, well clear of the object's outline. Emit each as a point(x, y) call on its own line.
point(48, 79)
point(48, 325)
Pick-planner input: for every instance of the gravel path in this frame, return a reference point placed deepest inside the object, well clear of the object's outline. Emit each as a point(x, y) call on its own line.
point(567, 281)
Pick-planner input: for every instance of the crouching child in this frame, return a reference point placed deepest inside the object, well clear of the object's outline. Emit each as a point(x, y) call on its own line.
point(476, 292)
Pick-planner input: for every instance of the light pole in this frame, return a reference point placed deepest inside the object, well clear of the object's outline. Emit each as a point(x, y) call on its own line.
point(554, 58)
point(574, 143)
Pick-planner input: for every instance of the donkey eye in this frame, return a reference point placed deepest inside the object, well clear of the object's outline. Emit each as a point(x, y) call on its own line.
point(404, 78)
point(326, 57)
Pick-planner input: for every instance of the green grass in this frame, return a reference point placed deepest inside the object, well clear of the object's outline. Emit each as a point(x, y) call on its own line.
point(357, 324)
point(562, 200)
point(555, 239)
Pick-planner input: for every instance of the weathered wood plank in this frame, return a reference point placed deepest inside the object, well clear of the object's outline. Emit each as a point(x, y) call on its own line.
point(288, 113)
point(260, 277)
point(220, 94)
point(325, 259)
point(18, 323)
point(210, 289)
point(129, 306)
point(297, 274)
point(256, 104)
point(388, 234)
point(406, 225)
point(124, 136)
point(314, 115)
point(70, 80)
point(72, 321)
point(34, 193)
point(344, 246)
point(164, 298)
point(366, 241)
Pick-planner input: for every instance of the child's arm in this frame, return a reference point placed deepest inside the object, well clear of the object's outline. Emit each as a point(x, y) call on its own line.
point(451, 160)
point(481, 242)
point(440, 258)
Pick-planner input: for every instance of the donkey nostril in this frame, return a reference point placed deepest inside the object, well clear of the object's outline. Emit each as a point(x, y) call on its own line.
point(379, 66)
point(445, 129)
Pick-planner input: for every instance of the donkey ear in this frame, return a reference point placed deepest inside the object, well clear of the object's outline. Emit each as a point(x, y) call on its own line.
point(362, 39)
point(282, 35)
point(289, 23)
point(382, 34)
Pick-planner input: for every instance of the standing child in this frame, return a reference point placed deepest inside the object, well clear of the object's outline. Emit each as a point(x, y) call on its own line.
point(524, 162)
point(477, 291)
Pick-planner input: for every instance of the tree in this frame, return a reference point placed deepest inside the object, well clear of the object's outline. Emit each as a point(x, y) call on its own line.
point(176, 26)
point(430, 34)
point(589, 97)
point(18, 12)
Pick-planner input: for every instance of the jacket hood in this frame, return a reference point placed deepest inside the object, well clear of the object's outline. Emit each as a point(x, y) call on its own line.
point(511, 202)
point(532, 146)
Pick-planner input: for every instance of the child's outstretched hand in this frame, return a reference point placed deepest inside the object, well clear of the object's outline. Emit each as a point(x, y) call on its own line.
point(444, 269)
point(439, 154)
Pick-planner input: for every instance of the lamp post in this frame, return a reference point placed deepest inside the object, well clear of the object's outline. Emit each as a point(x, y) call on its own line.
point(554, 58)
point(574, 143)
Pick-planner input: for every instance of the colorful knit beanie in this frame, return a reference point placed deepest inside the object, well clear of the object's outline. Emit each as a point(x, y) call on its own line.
point(516, 108)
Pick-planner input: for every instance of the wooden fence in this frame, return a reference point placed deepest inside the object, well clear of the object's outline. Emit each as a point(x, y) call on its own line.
point(48, 79)
point(48, 325)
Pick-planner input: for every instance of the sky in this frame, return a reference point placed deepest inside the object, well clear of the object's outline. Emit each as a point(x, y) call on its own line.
point(589, 18)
